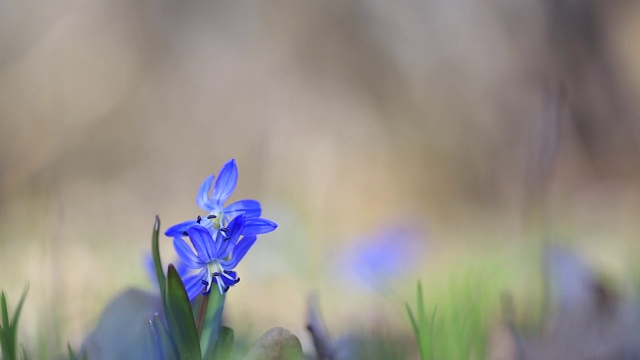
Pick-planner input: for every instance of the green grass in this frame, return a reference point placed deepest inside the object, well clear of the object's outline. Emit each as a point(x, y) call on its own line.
point(451, 317)
point(9, 329)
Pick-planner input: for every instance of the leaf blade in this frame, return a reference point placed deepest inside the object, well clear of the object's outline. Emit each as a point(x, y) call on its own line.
point(212, 321)
point(155, 252)
point(16, 315)
point(180, 319)
point(72, 354)
point(5, 312)
point(161, 346)
point(224, 345)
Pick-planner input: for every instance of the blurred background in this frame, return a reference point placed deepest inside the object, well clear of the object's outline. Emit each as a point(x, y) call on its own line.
point(479, 127)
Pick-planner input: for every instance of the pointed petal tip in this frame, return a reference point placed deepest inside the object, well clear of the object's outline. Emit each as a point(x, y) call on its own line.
point(179, 229)
point(225, 183)
point(202, 198)
point(256, 226)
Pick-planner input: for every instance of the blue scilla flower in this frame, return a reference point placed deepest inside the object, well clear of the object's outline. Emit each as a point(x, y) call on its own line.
point(384, 257)
point(215, 258)
point(212, 200)
point(150, 268)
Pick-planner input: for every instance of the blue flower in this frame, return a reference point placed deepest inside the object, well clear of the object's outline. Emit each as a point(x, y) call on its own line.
point(385, 257)
point(215, 258)
point(150, 268)
point(212, 200)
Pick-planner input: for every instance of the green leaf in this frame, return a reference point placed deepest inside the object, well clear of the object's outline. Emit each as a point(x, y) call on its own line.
point(24, 354)
point(422, 317)
point(431, 331)
point(72, 355)
point(9, 327)
point(414, 325)
point(160, 344)
point(212, 323)
point(180, 317)
point(422, 328)
point(155, 252)
point(276, 344)
point(4, 344)
point(224, 345)
point(5, 312)
point(416, 331)
point(16, 315)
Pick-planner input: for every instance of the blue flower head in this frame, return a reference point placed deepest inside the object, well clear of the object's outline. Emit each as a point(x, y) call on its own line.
point(215, 258)
point(212, 201)
point(150, 269)
point(384, 257)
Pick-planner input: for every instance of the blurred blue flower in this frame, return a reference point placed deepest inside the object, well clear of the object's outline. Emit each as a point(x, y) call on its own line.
point(384, 257)
point(215, 258)
point(212, 200)
point(150, 268)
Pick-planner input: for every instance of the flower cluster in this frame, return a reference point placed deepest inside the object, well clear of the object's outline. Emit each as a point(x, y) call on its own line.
point(221, 238)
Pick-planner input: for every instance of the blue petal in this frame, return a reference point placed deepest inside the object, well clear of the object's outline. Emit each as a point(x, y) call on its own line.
point(221, 240)
point(236, 226)
point(239, 252)
point(202, 199)
point(202, 242)
point(225, 183)
point(181, 267)
point(193, 283)
point(251, 208)
point(180, 229)
point(186, 254)
point(225, 245)
point(256, 226)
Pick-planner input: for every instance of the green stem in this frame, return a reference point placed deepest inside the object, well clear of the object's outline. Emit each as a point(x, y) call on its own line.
point(202, 312)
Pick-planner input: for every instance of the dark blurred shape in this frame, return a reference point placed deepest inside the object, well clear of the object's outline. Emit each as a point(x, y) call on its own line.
point(357, 344)
point(583, 61)
point(122, 330)
point(318, 330)
point(544, 146)
point(586, 318)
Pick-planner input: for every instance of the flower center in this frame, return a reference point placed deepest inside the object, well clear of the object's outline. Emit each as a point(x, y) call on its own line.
point(215, 269)
point(216, 273)
point(217, 219)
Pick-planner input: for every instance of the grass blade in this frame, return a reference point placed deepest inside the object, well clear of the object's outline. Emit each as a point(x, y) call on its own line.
point(414, 324)
point(16, 315)
point(72, 355)
point(422, 317)
point(5, 312)
point(416, 332)
point(4, 344)
point(24, 354)
point(155, 252)
point(431, 332)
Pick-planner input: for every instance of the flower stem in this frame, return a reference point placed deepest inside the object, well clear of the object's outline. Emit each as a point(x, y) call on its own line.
point(202, 312)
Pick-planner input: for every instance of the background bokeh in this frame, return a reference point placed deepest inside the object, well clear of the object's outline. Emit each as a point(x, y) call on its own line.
point(484, 126)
